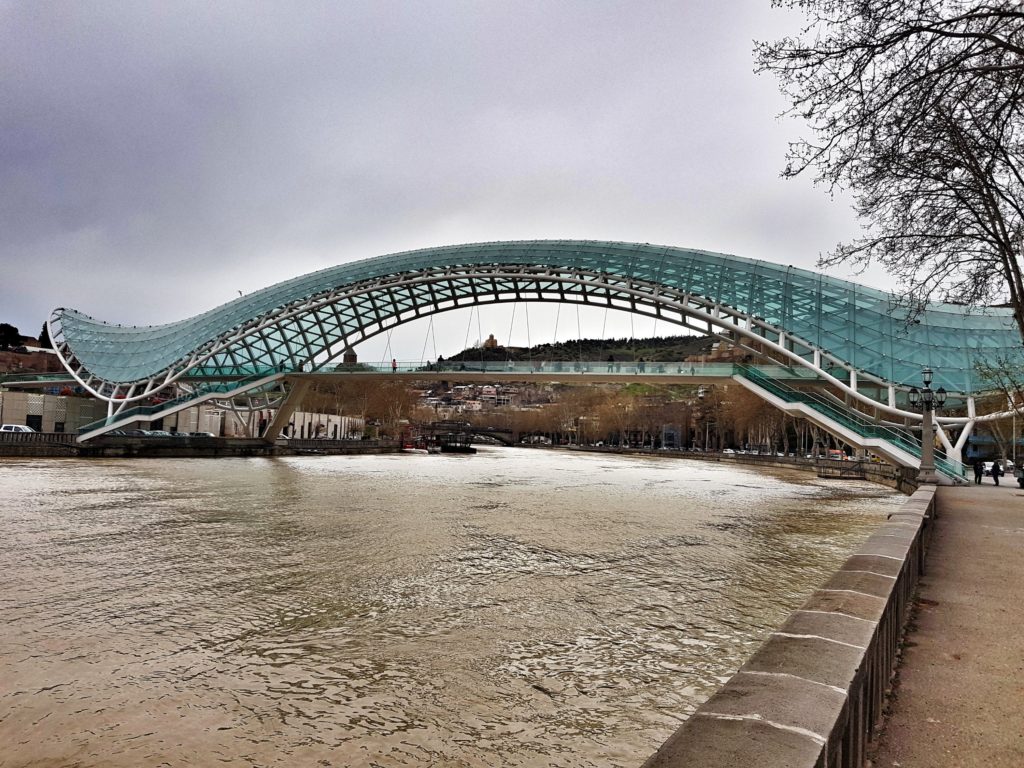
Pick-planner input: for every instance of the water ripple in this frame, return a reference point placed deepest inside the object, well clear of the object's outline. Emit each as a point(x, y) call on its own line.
point(521, 608)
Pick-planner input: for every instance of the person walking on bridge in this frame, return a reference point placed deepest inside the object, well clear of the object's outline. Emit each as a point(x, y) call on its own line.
point(394, 365)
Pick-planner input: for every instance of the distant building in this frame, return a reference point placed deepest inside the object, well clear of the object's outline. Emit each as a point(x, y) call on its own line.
point(29, 358)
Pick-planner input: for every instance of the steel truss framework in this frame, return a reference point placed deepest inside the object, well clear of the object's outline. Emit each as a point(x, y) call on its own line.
point(855, 337)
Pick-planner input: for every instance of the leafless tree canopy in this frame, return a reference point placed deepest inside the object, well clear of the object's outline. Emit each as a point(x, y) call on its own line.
point(916, 108)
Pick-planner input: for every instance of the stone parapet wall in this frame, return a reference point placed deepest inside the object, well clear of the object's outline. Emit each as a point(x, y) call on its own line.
point(812, 693)
point(46, 444)
point(37, 444)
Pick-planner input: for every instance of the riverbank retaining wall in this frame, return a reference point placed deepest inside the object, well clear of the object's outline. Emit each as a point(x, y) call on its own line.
point(813, 692)
point(51, 444)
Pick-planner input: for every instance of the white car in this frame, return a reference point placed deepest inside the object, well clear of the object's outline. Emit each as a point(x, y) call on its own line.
point(15, 428)
point(1007, 467)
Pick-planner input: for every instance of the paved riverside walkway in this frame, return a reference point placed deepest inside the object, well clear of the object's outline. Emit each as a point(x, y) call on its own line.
point(959, 701)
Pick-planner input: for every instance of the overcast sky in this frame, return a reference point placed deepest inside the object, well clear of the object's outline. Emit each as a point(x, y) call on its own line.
point(158, 157)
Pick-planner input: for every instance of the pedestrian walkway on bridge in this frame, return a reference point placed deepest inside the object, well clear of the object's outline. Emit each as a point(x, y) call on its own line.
point(959, 700)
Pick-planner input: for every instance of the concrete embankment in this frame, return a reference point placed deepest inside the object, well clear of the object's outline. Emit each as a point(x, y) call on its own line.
point(41, 445)
point(812, 693)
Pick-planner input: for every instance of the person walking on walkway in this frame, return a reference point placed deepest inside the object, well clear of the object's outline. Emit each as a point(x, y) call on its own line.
point(996, 472)
point(394, 365)
point(979, 471)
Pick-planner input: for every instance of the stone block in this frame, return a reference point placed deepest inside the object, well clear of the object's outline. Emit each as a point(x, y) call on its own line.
point(815, 659)
point(719, 743)
point(859, 606)
point(837, 626)
point(871, 562)
point(885, 546)
point(863, 581)
point(789, 702)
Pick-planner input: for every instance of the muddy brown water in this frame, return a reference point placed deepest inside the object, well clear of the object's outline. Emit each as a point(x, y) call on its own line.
point(513, 608)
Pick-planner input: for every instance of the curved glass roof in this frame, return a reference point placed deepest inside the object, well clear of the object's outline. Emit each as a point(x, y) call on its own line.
point(862, 326)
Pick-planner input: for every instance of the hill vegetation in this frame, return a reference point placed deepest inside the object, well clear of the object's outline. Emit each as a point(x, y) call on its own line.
point(660, 348)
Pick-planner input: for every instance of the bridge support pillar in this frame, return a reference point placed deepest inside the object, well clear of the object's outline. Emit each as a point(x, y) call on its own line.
point(296, 392)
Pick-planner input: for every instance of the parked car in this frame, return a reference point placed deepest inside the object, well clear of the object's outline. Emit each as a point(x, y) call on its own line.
point(201, 434)
point(1006, 464)
point(728, 450)
point(137, 432)
point(159, 433)
point(15, 428)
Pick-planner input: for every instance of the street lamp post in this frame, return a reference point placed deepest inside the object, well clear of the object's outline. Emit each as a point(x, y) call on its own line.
point(929, 400)
point(702, 391)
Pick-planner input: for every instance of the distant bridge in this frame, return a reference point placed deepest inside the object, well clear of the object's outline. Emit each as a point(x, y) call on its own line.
point(856, 339)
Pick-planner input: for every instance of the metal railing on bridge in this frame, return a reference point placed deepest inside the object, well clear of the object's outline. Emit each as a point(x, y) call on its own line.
point(535, 366)
point(852, 419)
point(553, 366)
point(202, 392)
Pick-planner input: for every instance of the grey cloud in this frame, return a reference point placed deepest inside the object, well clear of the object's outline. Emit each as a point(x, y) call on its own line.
point(158, 157)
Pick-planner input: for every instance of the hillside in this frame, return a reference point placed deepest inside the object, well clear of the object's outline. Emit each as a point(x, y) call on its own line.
point(667, 348)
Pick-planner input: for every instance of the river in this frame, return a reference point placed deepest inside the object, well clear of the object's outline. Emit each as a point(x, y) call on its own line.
point(513, 608)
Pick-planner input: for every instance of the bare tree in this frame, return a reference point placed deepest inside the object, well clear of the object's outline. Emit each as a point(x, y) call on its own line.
point(916, 108)
point(615, 415)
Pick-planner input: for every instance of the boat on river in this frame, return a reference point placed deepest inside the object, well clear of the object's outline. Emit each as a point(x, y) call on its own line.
point(455, 442)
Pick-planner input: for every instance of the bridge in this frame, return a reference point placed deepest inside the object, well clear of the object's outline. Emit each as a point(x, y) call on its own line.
point(816, 335)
